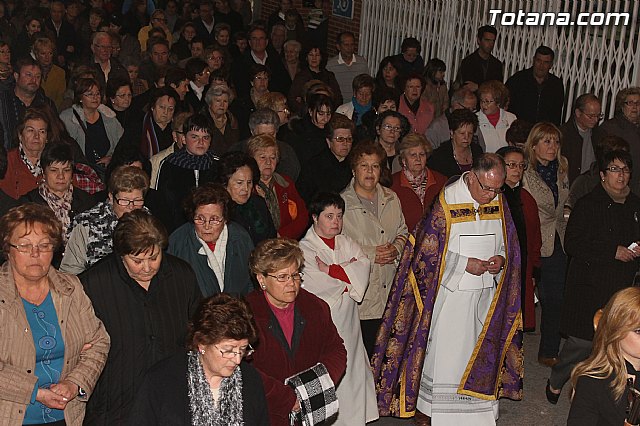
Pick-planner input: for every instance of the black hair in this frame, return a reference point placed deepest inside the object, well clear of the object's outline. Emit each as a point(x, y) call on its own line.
point(231, 161)
point(609, 156)
point(196, 122)
point(460, 117)
point(487, 29)
point(159, 92)
point(502, 152)
point(322, 200)
point(56, 152)
point(410, 43)
point(545, 51)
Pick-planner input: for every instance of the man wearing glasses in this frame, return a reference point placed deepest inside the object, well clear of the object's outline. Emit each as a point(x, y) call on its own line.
point(578, 134)
point(458, 286)
point(102, 61)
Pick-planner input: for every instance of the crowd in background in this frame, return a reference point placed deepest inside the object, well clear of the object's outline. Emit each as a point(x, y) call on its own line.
point(165, 153)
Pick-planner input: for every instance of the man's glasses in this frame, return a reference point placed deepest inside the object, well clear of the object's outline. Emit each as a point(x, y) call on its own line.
point(343, 139)
point(486, 188)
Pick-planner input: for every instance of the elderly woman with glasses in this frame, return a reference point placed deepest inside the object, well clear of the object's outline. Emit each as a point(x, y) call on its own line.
point(90, 237)
point(53, 347)
point(601, 241)
point(295, 329)
point(493, 119)
point(145, 298)
point(211, 382)
point(547, 180)
point(93, 125)
point(524, 211)
point(390, 127)
point(216, 249)
point(416, 185)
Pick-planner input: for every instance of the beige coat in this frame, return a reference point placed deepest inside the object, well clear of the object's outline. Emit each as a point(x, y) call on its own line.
point(551, 217)
point(370, 231)
point(79, 325)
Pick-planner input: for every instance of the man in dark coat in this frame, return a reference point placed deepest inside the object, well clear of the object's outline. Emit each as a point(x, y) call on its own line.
point(257, 53)
point(481, 65)
point(536, 94)
point(578, 134)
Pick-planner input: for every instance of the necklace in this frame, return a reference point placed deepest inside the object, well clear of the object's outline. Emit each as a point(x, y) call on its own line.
point(38, 299)
point(465, 161)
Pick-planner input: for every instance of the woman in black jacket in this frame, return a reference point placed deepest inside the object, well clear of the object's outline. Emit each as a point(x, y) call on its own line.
point(602, 229)
point(211, 383)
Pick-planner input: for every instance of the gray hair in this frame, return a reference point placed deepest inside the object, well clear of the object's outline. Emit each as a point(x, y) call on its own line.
point(263, 116)
point(487, 162)
point(622, 95)
point(294, 43)
point(218, 90)
point(460, 95)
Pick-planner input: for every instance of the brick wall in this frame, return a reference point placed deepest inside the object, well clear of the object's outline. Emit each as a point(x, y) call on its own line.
point(336, 24)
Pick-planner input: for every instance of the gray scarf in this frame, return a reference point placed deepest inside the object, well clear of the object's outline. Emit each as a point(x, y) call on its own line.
point(204, 411)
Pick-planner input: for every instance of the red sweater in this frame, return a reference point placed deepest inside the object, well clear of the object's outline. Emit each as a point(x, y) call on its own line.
point(18, 180)
point(291, 227)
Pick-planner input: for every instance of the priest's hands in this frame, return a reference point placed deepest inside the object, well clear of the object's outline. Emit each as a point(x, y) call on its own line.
point(493, 265)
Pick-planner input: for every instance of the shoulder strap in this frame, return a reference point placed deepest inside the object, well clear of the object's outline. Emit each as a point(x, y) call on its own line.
point(84, 128)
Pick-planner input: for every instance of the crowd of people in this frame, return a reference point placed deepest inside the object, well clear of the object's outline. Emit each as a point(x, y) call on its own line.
point(205, 218)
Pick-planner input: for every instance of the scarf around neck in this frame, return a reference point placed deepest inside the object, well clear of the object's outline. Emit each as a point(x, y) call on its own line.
point(186, 160)
point(61, 206)
point(549, 175)
point(418, 183)
point(359, 111)
point(204, 410)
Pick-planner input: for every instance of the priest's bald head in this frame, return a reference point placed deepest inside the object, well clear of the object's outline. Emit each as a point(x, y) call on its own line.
point(486, 177)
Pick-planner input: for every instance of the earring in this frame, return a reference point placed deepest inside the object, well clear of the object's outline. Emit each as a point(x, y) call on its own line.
point(201, 351)
point(264, 287)
point(603, 179)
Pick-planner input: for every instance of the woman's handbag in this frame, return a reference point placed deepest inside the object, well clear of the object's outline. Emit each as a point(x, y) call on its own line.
point(317, 395)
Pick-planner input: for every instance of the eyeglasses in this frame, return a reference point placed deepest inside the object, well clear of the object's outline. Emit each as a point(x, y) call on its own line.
point(28, 248)
point(484, 188)
point(486, 101)
point(124, 202)
point(230, 354)
point(285, 110)
point(343, 139)
point(92, 94)
point(390, 128)
point(514, 165)
point(103, 46)
point(124, 95)
point(632, 103)
point(283, 278)
point(615, 169)
point(204, 72)
point(592, 116)
point(470, 109)
point(202, 221)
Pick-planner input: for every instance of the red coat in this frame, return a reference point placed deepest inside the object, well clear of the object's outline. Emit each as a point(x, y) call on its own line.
point(412, 208)
point(291, 227)
point(534, 243)
point(315, 339)
point(419, 122)
point(18, 180)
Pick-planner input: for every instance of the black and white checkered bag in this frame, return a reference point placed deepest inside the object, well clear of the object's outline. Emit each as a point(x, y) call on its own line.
point(317, 395)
